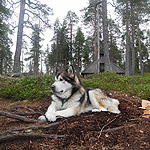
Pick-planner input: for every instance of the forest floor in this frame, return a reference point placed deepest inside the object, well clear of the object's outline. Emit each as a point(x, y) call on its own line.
point(89, 131)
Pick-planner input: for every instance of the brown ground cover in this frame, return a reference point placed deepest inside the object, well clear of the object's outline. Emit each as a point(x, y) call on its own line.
point(103, 131)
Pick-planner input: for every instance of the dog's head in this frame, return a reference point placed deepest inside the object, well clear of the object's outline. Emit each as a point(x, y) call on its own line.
point(65, 82)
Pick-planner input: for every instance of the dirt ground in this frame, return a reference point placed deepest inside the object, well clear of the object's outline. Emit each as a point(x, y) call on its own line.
point(89, 131)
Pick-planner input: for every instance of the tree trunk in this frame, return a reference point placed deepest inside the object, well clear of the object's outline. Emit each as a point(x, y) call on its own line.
point(108, 67)
point(95, 21)
point(17, 66)
point(127, 64)
point(36, 60)
point(1, 66)
point(132, 45)
point(139, 43)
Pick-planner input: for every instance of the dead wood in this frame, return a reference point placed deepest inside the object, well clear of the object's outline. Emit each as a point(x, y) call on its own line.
point(28, 135)
point(117, 128)
point(23, 107)
point(28, 113)
point(22, 113)
point(18, 117)
point(107, 125)
point(30, 127)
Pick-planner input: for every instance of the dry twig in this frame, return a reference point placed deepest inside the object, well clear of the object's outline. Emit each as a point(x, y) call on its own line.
point(107, 125)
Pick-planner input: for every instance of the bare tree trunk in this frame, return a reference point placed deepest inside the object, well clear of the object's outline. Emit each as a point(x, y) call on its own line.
point(95, 48)
point(36, 64)
point(127, 64)
point(139, 42)
point(132, 46)
point(71, 28)
point(108, 66)
point(17, 65)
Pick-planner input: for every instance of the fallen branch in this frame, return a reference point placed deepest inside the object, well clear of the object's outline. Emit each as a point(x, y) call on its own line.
point(107, 125)
point(117, 128)
point(22, 113)
point(28, 113)
point(30, 127)
point(14, 116)
point(22, 107)
point(28, 135)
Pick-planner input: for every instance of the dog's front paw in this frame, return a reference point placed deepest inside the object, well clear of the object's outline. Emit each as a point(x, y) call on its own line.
point(42, 118)
point(50, 117)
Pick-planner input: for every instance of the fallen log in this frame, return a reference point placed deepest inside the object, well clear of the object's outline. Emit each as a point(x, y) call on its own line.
point(18, 117)
point(30, 127)
point(28, 135)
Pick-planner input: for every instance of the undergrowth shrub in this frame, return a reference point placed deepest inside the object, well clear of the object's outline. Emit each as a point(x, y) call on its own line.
point(34, 87)
point(38, 87)
point(134, 85)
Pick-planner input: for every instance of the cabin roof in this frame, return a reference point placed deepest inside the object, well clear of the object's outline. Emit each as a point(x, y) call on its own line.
point(92, 67)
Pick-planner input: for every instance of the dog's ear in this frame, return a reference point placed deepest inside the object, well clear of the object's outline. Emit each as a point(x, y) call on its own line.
point(56, 69)
point(71, 71)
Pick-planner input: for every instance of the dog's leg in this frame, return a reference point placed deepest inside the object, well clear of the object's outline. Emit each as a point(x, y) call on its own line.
point(66, 113)
point(50, 115)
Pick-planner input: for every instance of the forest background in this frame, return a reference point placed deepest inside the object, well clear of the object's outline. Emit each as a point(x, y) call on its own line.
point(124, 39)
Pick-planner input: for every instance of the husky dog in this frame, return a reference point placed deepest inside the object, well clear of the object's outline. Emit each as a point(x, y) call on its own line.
point(70, 98)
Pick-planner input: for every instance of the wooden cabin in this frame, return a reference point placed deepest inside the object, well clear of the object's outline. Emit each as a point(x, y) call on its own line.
point(93, 67)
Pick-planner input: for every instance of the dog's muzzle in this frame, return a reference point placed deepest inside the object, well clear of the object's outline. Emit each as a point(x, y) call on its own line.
point(53, 87)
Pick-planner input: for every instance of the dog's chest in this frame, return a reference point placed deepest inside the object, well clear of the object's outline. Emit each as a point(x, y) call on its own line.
point(66, 103)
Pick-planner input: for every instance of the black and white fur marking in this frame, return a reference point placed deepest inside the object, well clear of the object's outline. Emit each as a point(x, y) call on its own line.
point(70, 98)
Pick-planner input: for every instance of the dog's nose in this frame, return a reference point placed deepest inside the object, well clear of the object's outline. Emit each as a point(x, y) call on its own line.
point(53, 88)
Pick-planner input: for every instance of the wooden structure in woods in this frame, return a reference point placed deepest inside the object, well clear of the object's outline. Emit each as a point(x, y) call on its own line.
point(93, 67)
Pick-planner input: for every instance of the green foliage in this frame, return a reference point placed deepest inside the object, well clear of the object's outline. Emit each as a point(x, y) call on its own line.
point(134, 85)
point(5, 41)
point(34, 87)
point(60, 49)
point(35, 51)
point(78, 49)
point(38, 87)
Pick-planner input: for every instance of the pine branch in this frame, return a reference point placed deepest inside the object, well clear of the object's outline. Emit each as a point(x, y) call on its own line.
point(45, 22)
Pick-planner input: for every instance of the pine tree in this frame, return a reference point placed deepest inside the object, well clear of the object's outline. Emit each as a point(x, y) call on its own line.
point(47, 62)
point(71, 20)
point(88, 51)
point(108, 67)
point(35, 49)
point(5, 41)
point(31, 8)
point(60, 46)
point(133, 12)
point(78, 49)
